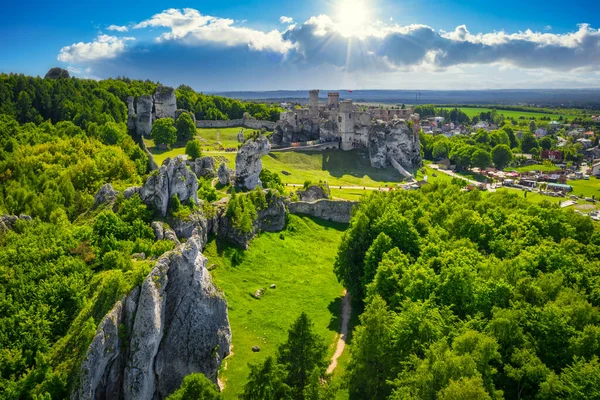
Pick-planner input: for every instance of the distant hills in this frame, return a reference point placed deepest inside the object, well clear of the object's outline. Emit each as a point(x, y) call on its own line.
point(542, 97)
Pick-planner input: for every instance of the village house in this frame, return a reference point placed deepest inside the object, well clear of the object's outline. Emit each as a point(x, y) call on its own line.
point(596, 169)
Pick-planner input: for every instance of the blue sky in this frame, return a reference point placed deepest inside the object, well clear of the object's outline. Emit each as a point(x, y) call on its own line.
point(269, 45)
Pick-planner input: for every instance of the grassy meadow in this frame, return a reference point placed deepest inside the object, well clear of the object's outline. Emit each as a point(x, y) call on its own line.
point(299, 261)
point(473, 111)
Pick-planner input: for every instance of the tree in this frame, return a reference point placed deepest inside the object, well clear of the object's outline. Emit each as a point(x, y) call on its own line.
point(546, 143)
point(501, 155)
point(481, 159)
point(266, 382)
point(371, 358)
point(532, 126)
point(196, 387)
point(528, 142)
point(193, 149)
point(163, 132)
point(511, 136)
point(186, 129)
point(301, 354)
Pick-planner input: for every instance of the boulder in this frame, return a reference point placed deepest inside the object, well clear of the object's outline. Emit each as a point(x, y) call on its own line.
point(174, 325)
point(143, 117)
point(329, 210)
point(165, 103)
point(314, 192)
point(205, 167)
point(159, 230)
point(106, 195)
point(131, 191)
point(224, 174)
point(172, 178)
point(393, 140)
point(255, 349)
point(8, 221)
point(248, 162)
point(130, 114)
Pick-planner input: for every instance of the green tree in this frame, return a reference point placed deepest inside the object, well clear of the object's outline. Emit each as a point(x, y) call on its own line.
point(528, 142)
point(371, 360)
point(193, 149)
point(301, 354)
point(501, 155)
point(266, 382)
point(163, 132)
point(196, 387)
point(481, 159)
point(186, 129)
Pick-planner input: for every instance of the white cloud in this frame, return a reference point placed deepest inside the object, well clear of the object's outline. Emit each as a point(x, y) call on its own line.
point(104, 47)
point(117, 28)
point(194, 28)
point(548, 28)
point(286, 20)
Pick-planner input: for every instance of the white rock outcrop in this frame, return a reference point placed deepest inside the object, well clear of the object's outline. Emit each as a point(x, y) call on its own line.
point(248, 164)
point(224, 174)
point(143, 116)
point(172, 178)
point(175, 324)
point(165, 102)
point(393, 140)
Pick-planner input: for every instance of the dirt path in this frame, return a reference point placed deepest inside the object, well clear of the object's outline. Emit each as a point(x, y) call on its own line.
point(341, 343)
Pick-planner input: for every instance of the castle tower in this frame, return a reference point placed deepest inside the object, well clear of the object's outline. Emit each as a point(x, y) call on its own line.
point(346, 124)
point(333, 100)
point(313, 104)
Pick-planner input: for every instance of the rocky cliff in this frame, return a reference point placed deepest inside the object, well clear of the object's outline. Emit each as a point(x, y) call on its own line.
point(300, 131)
point(393, 140)
point(269, 219)
point(248, 164)
point(8, 221)
point(143, 116)
point(172, 178)
point(165, 103)
point(329, 210)
point(175, 324)
point(204, 167)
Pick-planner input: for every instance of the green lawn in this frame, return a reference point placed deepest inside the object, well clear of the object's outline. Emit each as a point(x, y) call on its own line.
point(473, 111)
point(227, 137)
point(586, 188)
point(299, 261)
point(537, 167)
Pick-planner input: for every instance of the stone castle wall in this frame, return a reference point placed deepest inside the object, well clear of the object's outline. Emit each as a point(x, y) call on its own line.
point(232, 123)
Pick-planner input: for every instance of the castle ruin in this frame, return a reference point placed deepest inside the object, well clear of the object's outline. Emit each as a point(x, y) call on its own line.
point(352, 126)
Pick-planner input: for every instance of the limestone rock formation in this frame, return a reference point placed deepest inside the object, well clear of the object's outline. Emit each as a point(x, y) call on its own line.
point(175, 324)
point(106, 194)
point(130, 113)
point(204, 167)
point(8, 221)
point(143, 118)
point(329, 210)
point(159, 230)
point(194, 224)
point(248, 164)
point(393, 140)
point(172, 178)
point(131, 191)
point(165, 103)
point(286, 133)
point(269, 219)
point(224, 174)
point(314, 192)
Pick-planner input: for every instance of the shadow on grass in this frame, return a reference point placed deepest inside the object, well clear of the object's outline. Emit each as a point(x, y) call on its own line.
point(335, 323)
point(356, 163)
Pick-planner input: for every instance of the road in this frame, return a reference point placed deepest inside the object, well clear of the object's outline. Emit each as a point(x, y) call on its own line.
point(341, 343)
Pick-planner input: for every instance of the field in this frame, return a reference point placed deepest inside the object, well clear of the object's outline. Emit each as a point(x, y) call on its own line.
point(537, 167)
point(473, 111)
point(299, 261)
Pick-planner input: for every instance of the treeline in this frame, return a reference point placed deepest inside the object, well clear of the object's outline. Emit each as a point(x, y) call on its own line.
point(83, 101)
point(211, 107)
point(469, 295)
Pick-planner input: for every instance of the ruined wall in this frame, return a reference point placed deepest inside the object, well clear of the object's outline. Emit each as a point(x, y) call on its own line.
point(329, 210)
point(232, 123)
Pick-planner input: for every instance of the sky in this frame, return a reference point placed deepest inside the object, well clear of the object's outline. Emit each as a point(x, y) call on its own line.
point(237, 45)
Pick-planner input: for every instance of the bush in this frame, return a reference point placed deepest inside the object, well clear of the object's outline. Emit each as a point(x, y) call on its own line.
point(193, 149)
point(116, 260)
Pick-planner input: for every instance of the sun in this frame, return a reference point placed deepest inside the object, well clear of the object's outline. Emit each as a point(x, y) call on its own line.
point(352, 16)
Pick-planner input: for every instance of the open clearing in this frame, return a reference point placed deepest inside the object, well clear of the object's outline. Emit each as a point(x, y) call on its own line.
point(473, 111)
point(299, 261)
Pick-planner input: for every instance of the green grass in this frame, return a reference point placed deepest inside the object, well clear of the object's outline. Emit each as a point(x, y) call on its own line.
point(537, 167)
point(301, 266)
point(338, 168)
point(473, 111)
point(228, 137)
point(586, 188)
